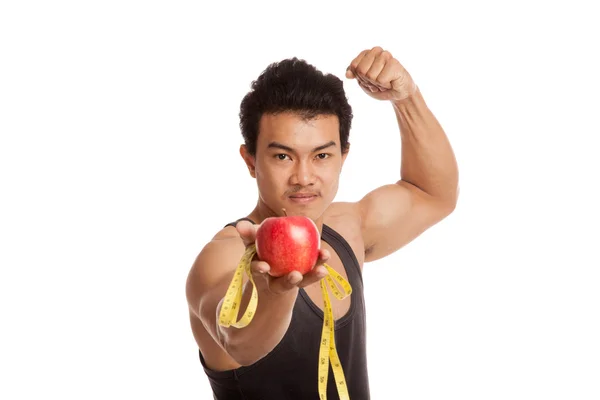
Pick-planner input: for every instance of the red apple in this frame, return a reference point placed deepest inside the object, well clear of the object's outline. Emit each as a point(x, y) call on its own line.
point(287, 244)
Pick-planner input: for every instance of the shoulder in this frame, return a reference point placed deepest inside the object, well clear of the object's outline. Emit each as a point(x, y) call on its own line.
point(222, 243)
point(342, 214)
point(345, 219)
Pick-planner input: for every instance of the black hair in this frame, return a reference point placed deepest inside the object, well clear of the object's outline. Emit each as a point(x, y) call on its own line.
point(294, 85)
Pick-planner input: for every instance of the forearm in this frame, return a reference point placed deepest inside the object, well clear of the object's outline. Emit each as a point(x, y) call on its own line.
point(268, 326)
point(427, 159)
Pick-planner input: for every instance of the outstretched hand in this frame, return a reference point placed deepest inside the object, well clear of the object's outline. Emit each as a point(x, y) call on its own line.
point(260, 269)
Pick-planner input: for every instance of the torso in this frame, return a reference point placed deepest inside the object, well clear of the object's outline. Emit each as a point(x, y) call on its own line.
point(349, 228)
point(338, 217)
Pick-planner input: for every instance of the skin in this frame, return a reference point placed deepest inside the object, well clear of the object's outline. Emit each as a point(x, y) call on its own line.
point(296, 156)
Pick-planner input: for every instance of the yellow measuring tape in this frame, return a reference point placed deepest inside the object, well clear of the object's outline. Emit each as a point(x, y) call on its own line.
point(228, 316)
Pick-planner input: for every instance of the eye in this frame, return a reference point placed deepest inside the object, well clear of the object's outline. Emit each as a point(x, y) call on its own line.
point(323, 156)
point(281, 156)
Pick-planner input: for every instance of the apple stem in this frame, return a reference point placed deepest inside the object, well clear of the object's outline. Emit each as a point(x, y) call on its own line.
point(284, 212)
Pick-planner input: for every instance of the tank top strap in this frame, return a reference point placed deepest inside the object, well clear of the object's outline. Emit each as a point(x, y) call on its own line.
point(234, 223)
point(344, 251)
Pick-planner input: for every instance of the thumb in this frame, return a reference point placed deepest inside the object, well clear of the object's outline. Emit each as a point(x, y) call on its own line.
point(247, 232)
point(349, 73)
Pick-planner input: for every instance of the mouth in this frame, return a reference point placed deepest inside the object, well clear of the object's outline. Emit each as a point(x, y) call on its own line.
point(303, 198)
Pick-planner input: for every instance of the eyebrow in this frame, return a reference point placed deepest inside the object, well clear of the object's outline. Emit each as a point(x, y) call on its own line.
point(278, 145)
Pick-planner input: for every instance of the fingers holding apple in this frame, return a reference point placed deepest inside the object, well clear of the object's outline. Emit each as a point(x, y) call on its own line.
point(262, 275)
point(288, 252)
point(316, 274)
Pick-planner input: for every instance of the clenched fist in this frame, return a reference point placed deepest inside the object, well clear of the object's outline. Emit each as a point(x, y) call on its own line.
point(381, 76)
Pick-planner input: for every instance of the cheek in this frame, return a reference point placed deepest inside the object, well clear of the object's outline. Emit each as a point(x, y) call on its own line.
point(330, 178)
point(332, 185)
point(269, 178)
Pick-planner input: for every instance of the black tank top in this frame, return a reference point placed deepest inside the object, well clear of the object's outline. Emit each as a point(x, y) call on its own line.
point(290, 370)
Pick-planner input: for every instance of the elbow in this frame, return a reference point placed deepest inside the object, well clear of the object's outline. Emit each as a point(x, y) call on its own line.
point(451, 206)
point(448, 209)
point(445, 205)
point(236, 347)
point(449, 202)
point(244, 358)
point(444, 208)
point(454, 201)
point(241, 353)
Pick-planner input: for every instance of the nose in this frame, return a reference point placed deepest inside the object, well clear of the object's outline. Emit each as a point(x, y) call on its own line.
point(303, 174)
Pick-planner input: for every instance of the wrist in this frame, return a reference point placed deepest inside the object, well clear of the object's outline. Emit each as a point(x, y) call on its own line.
point(410, 106)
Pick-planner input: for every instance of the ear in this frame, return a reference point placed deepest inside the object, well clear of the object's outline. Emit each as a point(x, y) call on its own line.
point(249, 160)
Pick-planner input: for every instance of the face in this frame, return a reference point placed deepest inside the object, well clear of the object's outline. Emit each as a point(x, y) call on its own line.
point(297, 164)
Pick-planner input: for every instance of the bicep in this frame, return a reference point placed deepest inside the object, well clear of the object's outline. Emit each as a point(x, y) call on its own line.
point(394, 215)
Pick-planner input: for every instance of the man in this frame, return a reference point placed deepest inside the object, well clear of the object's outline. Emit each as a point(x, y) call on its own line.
point(295, 123)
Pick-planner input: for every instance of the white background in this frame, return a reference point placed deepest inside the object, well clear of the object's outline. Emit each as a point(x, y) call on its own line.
point(119, 122)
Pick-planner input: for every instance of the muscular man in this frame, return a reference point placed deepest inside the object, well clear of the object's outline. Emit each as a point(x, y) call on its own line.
point(295, 123)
